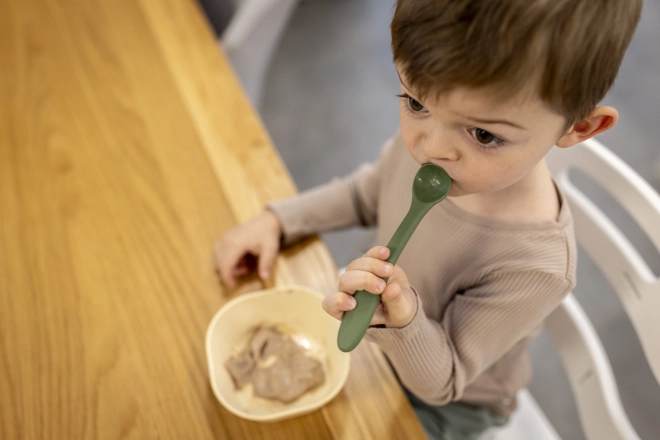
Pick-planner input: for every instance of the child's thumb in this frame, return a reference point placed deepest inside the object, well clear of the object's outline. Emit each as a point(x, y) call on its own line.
point(267, 258)
point(392, 295)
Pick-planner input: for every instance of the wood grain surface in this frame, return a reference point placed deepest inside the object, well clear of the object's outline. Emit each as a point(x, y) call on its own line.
point(126, 149)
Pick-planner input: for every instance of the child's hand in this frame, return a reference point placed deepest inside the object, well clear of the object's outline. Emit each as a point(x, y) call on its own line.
point(258, 238)
point(398, 304)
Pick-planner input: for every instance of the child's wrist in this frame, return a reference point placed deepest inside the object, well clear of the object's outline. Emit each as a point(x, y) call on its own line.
point(274, 223)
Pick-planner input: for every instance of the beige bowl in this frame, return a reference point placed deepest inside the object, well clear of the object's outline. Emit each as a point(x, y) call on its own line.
point(293, 309)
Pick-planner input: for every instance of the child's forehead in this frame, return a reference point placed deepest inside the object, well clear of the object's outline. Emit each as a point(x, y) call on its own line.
point(501, 94)
point(489, 99)
point(492, 98)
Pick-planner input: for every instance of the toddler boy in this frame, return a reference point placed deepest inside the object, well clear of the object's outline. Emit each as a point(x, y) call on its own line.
point(488, 87)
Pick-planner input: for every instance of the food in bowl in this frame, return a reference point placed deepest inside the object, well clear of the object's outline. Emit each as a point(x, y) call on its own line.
point(276, 365)
point(294, 310)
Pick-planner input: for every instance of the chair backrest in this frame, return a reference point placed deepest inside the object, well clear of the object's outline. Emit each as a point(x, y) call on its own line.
point(586, 364)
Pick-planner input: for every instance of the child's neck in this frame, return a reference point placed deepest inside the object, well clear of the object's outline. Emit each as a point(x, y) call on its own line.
point(532, 199)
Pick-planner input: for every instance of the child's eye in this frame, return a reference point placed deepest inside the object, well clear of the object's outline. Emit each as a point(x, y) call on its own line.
point(413, 105)
point(486, 139)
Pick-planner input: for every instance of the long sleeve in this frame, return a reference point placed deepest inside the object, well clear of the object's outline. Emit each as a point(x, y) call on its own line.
point(437, 360)
point(340, 203)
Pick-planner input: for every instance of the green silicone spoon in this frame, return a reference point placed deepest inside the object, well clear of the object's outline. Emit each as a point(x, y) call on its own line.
point(431, 185)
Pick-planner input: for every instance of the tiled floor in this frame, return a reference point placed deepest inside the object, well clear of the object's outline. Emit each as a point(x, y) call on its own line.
point(330, 104)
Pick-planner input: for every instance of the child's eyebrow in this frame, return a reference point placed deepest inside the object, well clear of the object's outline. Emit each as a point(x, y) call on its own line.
point(488, 121)
point(496, 121)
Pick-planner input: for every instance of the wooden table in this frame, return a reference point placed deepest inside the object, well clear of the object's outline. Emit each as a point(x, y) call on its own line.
point(126, 150)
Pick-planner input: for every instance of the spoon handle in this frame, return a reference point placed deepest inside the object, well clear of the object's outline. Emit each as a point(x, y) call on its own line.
point(405, 230)
point(355, 322)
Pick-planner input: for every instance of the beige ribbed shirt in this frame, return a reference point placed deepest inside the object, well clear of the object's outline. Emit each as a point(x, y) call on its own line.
point(484, 286)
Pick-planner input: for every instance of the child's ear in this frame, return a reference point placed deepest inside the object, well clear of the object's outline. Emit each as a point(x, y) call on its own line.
point(599, 120)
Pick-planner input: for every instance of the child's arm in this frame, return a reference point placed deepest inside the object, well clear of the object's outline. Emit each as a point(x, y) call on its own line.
point(340, 203)
point(436, 360)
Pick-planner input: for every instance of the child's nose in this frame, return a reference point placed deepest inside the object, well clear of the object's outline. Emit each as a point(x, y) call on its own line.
point(438, 146)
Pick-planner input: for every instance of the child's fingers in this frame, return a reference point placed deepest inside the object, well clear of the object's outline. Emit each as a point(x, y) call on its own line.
point(366, 273)
point(400, 309)
point(226, 260)
point(379, 252)
point(354, 280)
point(240, 271)
point(393, 297)
point(338, 303)
point(267, 257)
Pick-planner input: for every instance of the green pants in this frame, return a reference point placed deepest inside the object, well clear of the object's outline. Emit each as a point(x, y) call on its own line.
point(454, 421)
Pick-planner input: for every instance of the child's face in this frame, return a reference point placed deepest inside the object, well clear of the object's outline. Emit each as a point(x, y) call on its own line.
point(484, 145)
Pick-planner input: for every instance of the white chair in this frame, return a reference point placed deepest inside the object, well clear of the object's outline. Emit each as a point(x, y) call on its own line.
point(589, 372)
point(251, 38)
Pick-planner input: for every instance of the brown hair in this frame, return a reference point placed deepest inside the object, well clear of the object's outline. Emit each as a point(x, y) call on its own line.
point(571, 48)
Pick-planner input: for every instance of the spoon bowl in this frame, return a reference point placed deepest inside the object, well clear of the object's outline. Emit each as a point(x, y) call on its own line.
point(430, 186)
